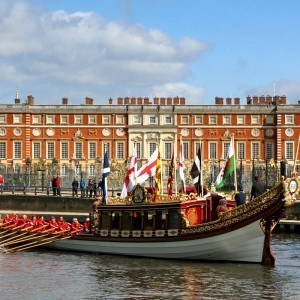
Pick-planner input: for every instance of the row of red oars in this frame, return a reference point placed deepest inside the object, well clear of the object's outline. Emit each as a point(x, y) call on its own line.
point(54, 236)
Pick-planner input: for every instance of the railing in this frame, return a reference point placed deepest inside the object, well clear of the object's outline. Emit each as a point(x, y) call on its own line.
point(48, 191)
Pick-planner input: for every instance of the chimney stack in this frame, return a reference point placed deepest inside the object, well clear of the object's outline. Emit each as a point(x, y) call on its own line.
point(89, 101)
point(30, 100)
point(64, 101)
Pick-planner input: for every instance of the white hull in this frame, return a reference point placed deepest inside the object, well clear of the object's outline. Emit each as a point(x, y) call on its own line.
point(244, 245)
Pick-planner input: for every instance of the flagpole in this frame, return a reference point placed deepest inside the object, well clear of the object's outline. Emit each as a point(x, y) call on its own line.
point(295, 161)
point(234, 165)
point(201, 178)
point(175, 162)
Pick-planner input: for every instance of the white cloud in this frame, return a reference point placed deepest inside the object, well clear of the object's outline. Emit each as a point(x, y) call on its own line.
point(193, 94)
point(80, 51)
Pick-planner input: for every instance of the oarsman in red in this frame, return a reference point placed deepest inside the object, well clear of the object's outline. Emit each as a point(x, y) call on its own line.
point(25, 221)
point(76, 226)
point(15, 219)
point(52, 224)
point(60, 220)
point(63, 226)
point(7, 219)
point(42, 221)
point(87, 225)
point(35, 222)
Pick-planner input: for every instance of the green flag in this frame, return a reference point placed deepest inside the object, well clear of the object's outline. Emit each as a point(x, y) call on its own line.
point(228, 168)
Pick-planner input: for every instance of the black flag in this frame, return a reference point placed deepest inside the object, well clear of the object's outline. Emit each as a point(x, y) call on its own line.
point(196, 171)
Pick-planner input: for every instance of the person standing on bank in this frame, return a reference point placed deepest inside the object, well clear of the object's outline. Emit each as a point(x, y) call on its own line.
point(257, 189)
point(240, 197)
point(75, 186)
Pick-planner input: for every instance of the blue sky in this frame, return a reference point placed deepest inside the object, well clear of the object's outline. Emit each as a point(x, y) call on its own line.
point(146, 48)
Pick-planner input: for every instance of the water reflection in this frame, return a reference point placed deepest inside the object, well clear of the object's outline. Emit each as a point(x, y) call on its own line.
point(42, 274)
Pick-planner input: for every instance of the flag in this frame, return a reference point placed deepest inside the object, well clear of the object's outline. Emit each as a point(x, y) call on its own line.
point(196, 171)
point(181, 165)
point(105, 173)
point(170, 179)
point(148, 169)
point(158, 190)
point(228, 168)
point(130, 175)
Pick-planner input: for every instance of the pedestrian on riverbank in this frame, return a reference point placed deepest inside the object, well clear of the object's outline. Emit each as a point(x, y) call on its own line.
point(75, 186)
point(1, 183)
point(82, 187)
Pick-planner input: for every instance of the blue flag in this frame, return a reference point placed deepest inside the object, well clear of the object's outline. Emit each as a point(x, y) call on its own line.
point(106, 172)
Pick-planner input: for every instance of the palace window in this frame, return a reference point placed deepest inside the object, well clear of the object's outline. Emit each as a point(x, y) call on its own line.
point(50, 119)
point(198, 120)
point(2, 131)
point(269, 150)
point(289, 119)
point(2, 150)
point(138, 150)
point(120, 150)
point(213, 120)
point(168, 120)
point(17, 119)
point(92, 170)
point(92, 150)
point(184, 120)
point(136, 120)
point(120, 120)
point(226, 120)
point(255, 120)
point(255, 151)
point(106, 148)
point(50, 150)
point(2, 119)
point(152, 120)
point(92, 119)
point(152, 147)
point(64, 170)
point(289, 150)
point(186, 150)
point(36, 119)
point(36, 150)
point(168, 150)
point(241, 151)
point(78, 150)
point(17, 150)
point(64, 150)
point(64, 119)
point(105, 119)
point(212, 150)
point(226, 146)
point(240, 120)
point(269, 120)
point(77, 119)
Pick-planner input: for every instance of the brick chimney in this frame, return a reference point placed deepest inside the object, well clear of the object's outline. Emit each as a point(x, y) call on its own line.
point(146, 101)
point(269, 99)
point(182, 101)
point(30, 100)
point(255, 100)
point(283, 100)
point(120, 101)
point(236, 101)
point(218, 100)
point(176, 100)
point(64, 101)
point(262, 100)
point(110, 101)
point(249, 100)
point(156, 100)
point(228, 101)
point(89, 101)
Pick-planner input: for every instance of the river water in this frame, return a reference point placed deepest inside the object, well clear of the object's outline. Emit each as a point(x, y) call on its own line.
point(43, 274)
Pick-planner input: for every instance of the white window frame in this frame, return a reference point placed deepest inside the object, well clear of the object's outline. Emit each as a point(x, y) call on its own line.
point(50, 150)
point(240, 120)
point(213, 120)
point(50, 119)
point(77, 119)
point(120, 150)
point(36, 119)
point(3, 119)
point(17, 150)
point(92, 152)
point(226, 120)
point(105, 119)
point(255, 153)
point(270, 150)
point(17, 118)
point(92, 119)
point(36, 150)
point(255, 119)
point(241, 151)
point(64, 119)
point(137, 119)
point(289, 156)
point(212, 152)
point(168, 120)
point(119, 119)
point(64, 150)
point(152, 120)
point(184, 119)
point(289, 119)
point(198, 119)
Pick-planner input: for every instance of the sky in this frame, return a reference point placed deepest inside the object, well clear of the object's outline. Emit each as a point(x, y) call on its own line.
point(196, 49)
